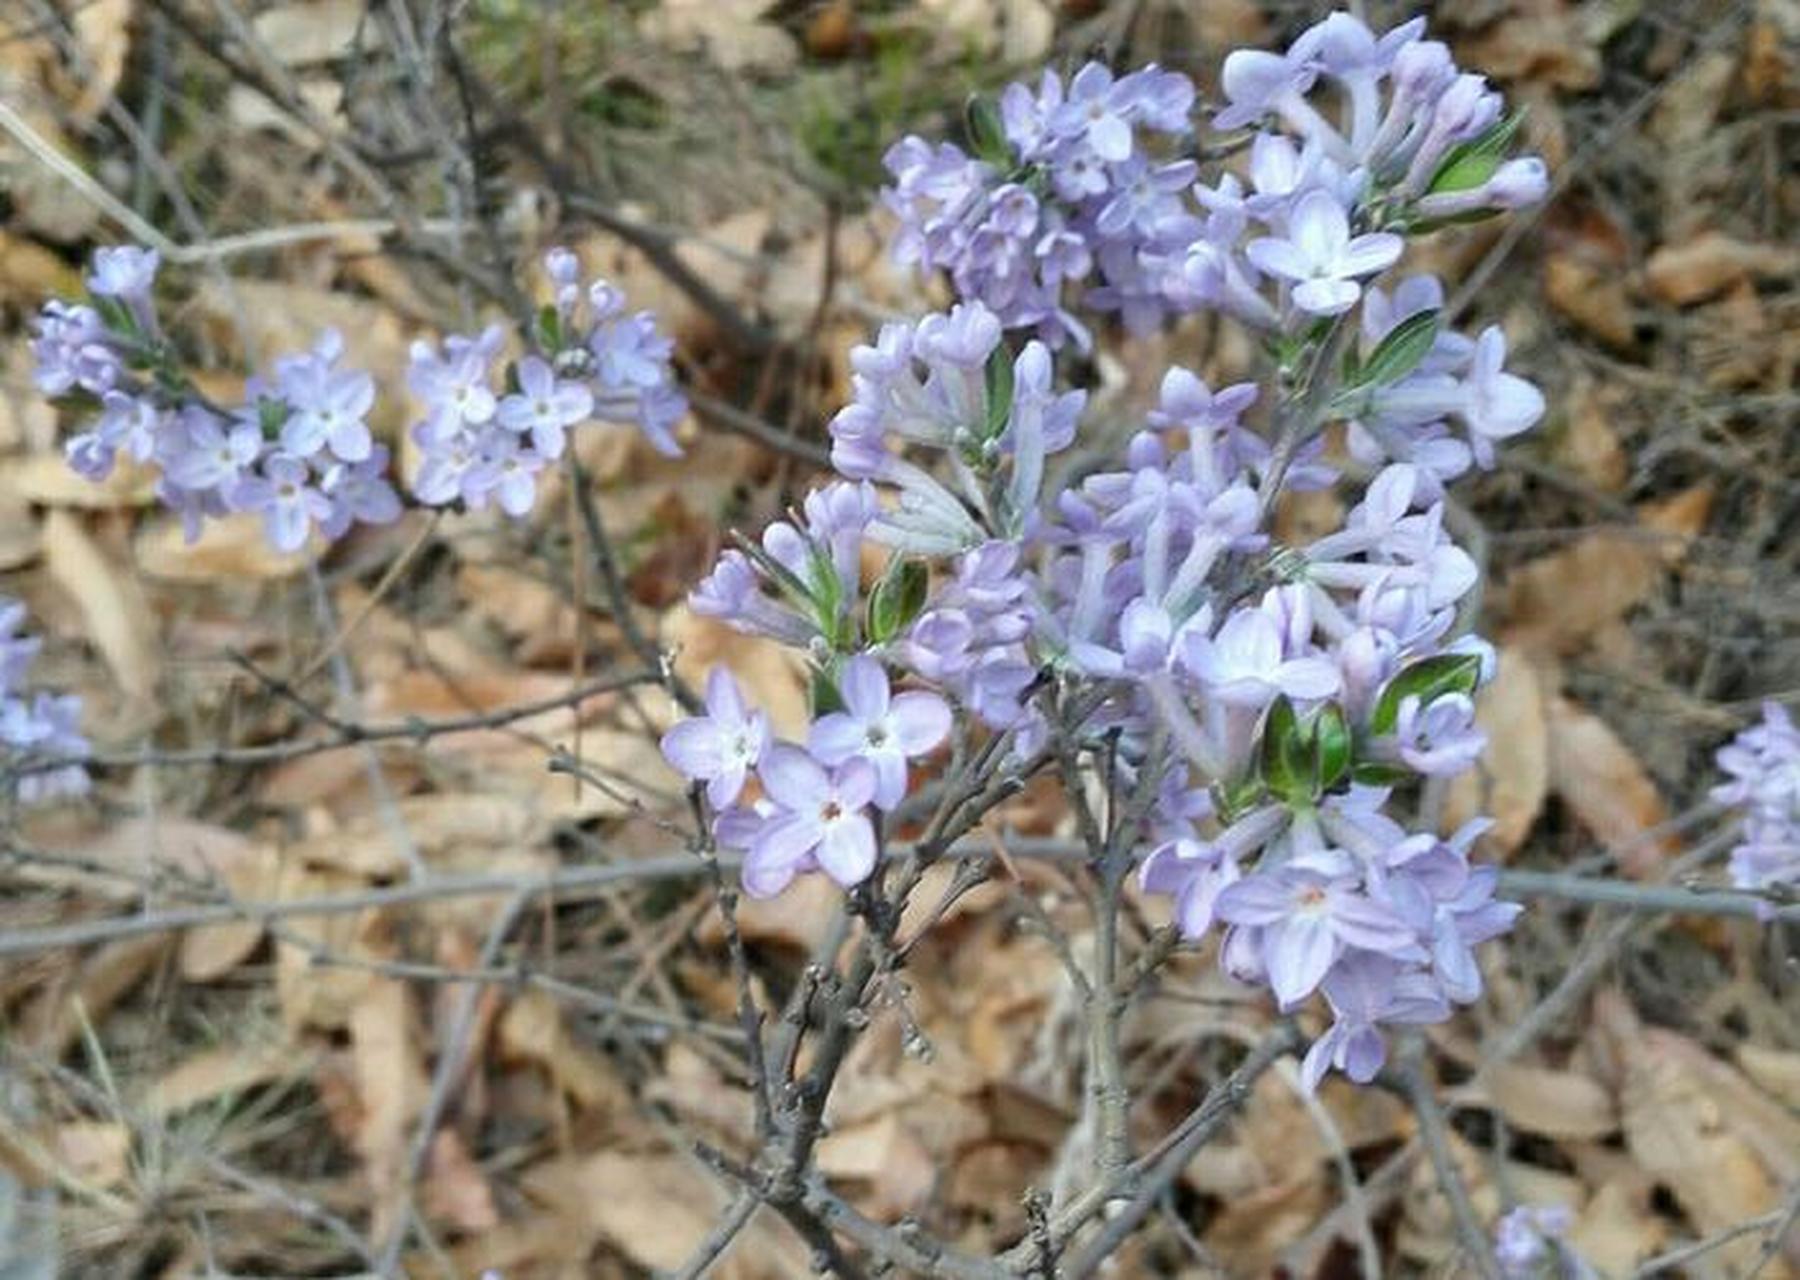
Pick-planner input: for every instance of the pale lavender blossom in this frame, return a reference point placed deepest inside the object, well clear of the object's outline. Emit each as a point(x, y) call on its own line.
point(820, 818)
point(721, 747)
point(885, 729)
point(1320, 258)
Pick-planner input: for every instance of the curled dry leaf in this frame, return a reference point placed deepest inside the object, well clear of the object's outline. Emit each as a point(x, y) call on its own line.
point(1593, 298)
point(45, 479)
point(532, 1029)
point(455, 1191)
point(1607, 788)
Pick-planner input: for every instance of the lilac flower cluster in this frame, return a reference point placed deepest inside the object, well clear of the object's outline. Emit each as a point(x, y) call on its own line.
point(1279, 702)
point(1066, 189)
point(592, 361)
point(1764, 765)
point(298, 450)
point(36, 726)
point(813, 813)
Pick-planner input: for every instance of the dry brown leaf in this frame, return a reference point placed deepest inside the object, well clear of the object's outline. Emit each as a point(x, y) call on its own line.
point(391, 1084)
point(213, 951)
point(1679, 1131)
point(1777, 1072)
point(317, 31)
point(1711, 263)
point(1589, 443)
point(233, 548)
point(1028, 27)
point(220, 1072)
point(611, 1196)
point(532, 1029)
point(454, 1189)
point(1617, 1229)
point(731, 32)
point(117, 618)
point(96, 1153)
point(312, 995)
point(1608, 789)
point(30, 272)
point(883, 1154)
point(1559, 601)
point(1511, 780)
point(48, 481)
point(103, 29)
point(52, 1022)
point(1594, 298)
point(1554, 1104)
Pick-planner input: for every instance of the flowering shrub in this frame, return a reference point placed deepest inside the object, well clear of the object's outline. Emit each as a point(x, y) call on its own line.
point(1764, 764)
point(1265, 710)
point(1269, 703)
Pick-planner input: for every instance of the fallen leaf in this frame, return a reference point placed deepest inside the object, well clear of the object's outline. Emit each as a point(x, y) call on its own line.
point(1554, 1104)
point(1678, 1131)
point(532, 1029)
point(232, 548)
point(1511, 780)
point(222, 1072)
point(1776, 1071)
point(1592, 297)
point(730, 32)
point(1589, 442)
point(117, 617)
point(1558, 602)
point(46, 480)
point(887, 1157)
point(1711, 263)
point(316, 31)
point(391, 1085)
point(1617, 1229)
point(94, 1152)
point(454, 1189)
point(103, 30)
point(770, 675)
point(1608, 789)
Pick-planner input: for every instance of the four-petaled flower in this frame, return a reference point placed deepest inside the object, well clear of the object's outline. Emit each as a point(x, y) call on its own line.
point(882, 727)
point(722, 746)
point(821, 818)
point(1320, 258)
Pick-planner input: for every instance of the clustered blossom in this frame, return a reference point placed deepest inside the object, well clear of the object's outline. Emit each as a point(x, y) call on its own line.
point(592, 361)
point(813, 812)
point(298, 450)
point(1068, 187)
point(36, 725)
point(1067, 191)
point(1764, 766)
point(1282, 702)
point(1529, 1245)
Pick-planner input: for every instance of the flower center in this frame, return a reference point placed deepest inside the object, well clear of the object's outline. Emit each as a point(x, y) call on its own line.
point(878, 735)
point(831, 811)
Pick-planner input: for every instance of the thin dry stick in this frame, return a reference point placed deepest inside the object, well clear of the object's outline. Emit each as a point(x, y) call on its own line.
point(342, 734)
point(1435, 1134)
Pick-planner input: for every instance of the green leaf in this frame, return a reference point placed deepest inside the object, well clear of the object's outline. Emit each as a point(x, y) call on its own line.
point(999, 393)
point(987, 132)
point(897, 598)
point(1233, 800)
point(1286, 761)
point(549, 328)
point(1374, 774)
point(1469, 164)
point(1428, 681)
point(1331, 746)
point(1399, 353)
point(825, 695)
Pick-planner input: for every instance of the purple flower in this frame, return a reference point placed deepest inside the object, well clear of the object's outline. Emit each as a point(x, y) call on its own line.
point(721, 747)
point(327, 407)
point(285, 495)
point(125, 272)
point(1763, 764)
point(1244, 666)
point(1365, 991)
point(544, 407)
point(1320, 258)
point(883, 728)
point(1305, 920)
point(820, 817)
